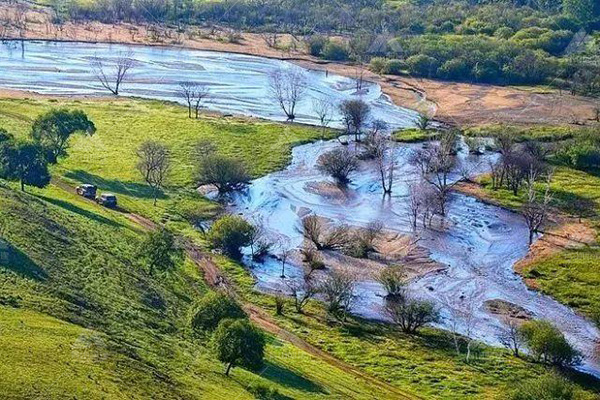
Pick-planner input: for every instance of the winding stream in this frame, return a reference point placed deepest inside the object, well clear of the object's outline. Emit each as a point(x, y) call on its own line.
point(479, 243)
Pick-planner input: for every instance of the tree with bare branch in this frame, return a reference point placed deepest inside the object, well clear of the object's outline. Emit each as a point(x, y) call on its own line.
point(411, 313)
point(287, 86)
point(192, 93)
point(510, 335)
point(112, 74)
point(302, 291)
point(154, 165)
point(339, 292)
point(323, 109)
point(535, 210)
point(355, 114)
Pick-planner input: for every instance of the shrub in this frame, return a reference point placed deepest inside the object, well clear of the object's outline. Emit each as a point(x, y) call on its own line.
point(410, 313)
point(229, 234)
point(547, 387)
point(455, 68)
point(226, 174)
point(422, 64)
point(395, 67)
point(338, 163)
point(335, 51)
point(264, 392)
point(581, 155)
point(316, 44)
point(378, 65)
point(212, 309)
point(546, 343)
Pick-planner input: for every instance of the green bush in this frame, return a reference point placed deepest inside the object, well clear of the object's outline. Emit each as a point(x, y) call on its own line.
point(378, 65)
point(239, 343)
point(316, 44)
point(547, 387)
point(395, 67)
point(583, 155)
point(229, 234)
point(547, 344)
point(263, 392)
point(335, 51)
point(454, 69)
point(212, 309)
point(422, 65)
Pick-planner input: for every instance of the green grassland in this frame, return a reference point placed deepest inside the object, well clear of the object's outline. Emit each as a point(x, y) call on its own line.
point(75, 301)
point(81, 318)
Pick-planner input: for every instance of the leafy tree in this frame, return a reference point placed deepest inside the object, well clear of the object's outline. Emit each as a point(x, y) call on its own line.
point(53, 129)
point(230, 233)
point(582, 10)
point(24, 162)
point(159, 251)
point(226, 174)
point(212, 309)
point(239, 343)
point(546, 343)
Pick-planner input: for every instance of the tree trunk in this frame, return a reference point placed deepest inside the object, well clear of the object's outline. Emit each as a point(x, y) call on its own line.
point(22, 185)
point(228, 368)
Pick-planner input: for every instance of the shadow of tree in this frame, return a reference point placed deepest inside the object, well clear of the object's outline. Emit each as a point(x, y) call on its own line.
point(286, 377)
point(133, 189)
point(80, 211)
point(18, 262)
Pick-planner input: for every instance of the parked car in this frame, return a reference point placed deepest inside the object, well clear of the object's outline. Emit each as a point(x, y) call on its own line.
point(87, 190)
point(107, 200)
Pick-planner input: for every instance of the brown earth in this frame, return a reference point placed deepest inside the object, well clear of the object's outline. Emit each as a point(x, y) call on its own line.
point(459, 104)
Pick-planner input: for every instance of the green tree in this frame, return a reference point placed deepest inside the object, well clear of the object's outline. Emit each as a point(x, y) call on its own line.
point(547, 344)
point(239, 343)
point(230, 233)
point(24, 162)
point(53, 129)
point(159, 251)
point(212, 309)
point(582, 10)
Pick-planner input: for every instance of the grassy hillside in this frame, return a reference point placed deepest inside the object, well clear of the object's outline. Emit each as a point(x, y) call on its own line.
point(81, 318)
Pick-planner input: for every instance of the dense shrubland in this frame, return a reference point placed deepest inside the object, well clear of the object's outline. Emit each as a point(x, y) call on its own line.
point(506, 42)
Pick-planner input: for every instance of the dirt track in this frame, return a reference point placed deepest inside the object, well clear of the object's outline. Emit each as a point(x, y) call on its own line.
point(461, 104)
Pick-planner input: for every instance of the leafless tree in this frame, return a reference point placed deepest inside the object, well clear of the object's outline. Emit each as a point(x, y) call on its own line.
point(339, 292)
point(111, 76)
point(510, 335)
point(287, 86)
point(338, 163)
point(284, 251)
point(415, 203)
point(355, 114)
point(314, 230)
point(323, 109)
point(435, 163)
point(259, 243)
point(384, 158)
point(409, 312)
point(464, 316)
point(192, 93)
point(535, 211)
point(312, 259)
point(302, 291)
point(363, 240)
point(154, 165)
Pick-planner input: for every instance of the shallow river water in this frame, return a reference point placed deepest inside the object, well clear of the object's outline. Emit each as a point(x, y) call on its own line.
point(478, 243)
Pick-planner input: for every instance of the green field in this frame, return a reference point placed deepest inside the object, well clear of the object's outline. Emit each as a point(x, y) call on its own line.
point(75, 301)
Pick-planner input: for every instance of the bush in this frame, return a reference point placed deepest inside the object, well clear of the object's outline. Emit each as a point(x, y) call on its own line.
point(264, 392)
point(226, 174)
point(316, 44)
point(338, 163)
point(229, 234)
point(335, 51)
point(422, 64)
point(547, 387)
point(395, 67)
point(581, 155)
point(378, 65)
point(212, 309)
point(239, 343)
point(456, 68)
point(547, 344)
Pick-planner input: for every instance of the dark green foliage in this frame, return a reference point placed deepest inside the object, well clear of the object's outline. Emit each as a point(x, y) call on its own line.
point(159, 251)
point(212, 309)
point(547, 387)
point(225, 173)
point(547, 344)
point(24, 162)
point(335, 51)
point(53, 129)
point(229, 234)
point(239, 343)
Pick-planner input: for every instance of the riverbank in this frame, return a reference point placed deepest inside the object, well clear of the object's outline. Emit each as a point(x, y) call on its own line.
point(459, 104)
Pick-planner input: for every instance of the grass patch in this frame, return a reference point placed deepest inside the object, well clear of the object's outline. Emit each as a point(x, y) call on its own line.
point(543, 133)
point(413, 135)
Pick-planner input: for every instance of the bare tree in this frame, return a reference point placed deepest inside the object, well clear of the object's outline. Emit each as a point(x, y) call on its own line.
point(464, 316)
point(314, 230)
point(324, 111)
point(287, 86)
point(435, 163)
point(355, 114)
point(338, 163)
point(111, 76)
point(384, 158)
point(154, 165)
point(193, 93)
point(284, 251)
point(302, 291)
point(535, 211)
point(411, 313)
point(510, 335)
point(339, 292)
point(259, 243)
point(415, 203)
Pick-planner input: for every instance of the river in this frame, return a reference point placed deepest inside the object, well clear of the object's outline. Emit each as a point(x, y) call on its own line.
point(478, 243)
